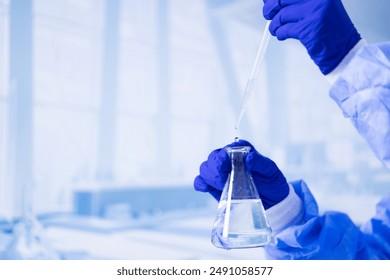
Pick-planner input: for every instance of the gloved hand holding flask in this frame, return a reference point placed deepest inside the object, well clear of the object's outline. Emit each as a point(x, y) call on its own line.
point(245, 183)
point(269, 180)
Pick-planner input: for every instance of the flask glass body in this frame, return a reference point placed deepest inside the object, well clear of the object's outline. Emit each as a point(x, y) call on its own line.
point(241, 221)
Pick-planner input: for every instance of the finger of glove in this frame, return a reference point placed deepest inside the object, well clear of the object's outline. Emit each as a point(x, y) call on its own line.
point(261, 165)
point(284, 3)
point(288, 31)
point(270, 8)
point(286, 18)
point(202, 186)
point(215, 170)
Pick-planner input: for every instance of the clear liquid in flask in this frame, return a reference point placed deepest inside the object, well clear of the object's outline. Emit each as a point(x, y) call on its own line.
point(246, 228)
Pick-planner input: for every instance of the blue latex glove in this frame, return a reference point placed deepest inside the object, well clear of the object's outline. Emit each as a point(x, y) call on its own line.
point(269, 180)
point(322, 26)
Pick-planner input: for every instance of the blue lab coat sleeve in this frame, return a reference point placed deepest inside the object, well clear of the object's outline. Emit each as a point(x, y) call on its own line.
point(332, 235)
point(362, 91)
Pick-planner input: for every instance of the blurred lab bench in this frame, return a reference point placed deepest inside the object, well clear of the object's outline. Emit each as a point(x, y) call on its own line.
point(176, 235)
point(180, 235)
point(135, 223)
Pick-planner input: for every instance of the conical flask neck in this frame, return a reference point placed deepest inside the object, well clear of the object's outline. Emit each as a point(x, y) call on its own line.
point(240, 180)
point(238, 161)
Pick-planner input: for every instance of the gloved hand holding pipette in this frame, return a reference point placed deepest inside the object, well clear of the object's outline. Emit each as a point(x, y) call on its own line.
point(269, 180)
point(322, 26)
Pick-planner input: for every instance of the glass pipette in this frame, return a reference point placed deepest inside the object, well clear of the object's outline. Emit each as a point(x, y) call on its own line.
point(255, 72)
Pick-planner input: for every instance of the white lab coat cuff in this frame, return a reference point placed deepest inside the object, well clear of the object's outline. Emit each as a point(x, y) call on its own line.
point(335, 74)
point(286, 213)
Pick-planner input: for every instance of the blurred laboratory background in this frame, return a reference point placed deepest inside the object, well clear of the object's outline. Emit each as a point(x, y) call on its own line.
point(108, 107)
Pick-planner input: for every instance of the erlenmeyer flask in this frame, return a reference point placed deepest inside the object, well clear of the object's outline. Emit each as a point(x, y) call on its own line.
point(241, 220)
